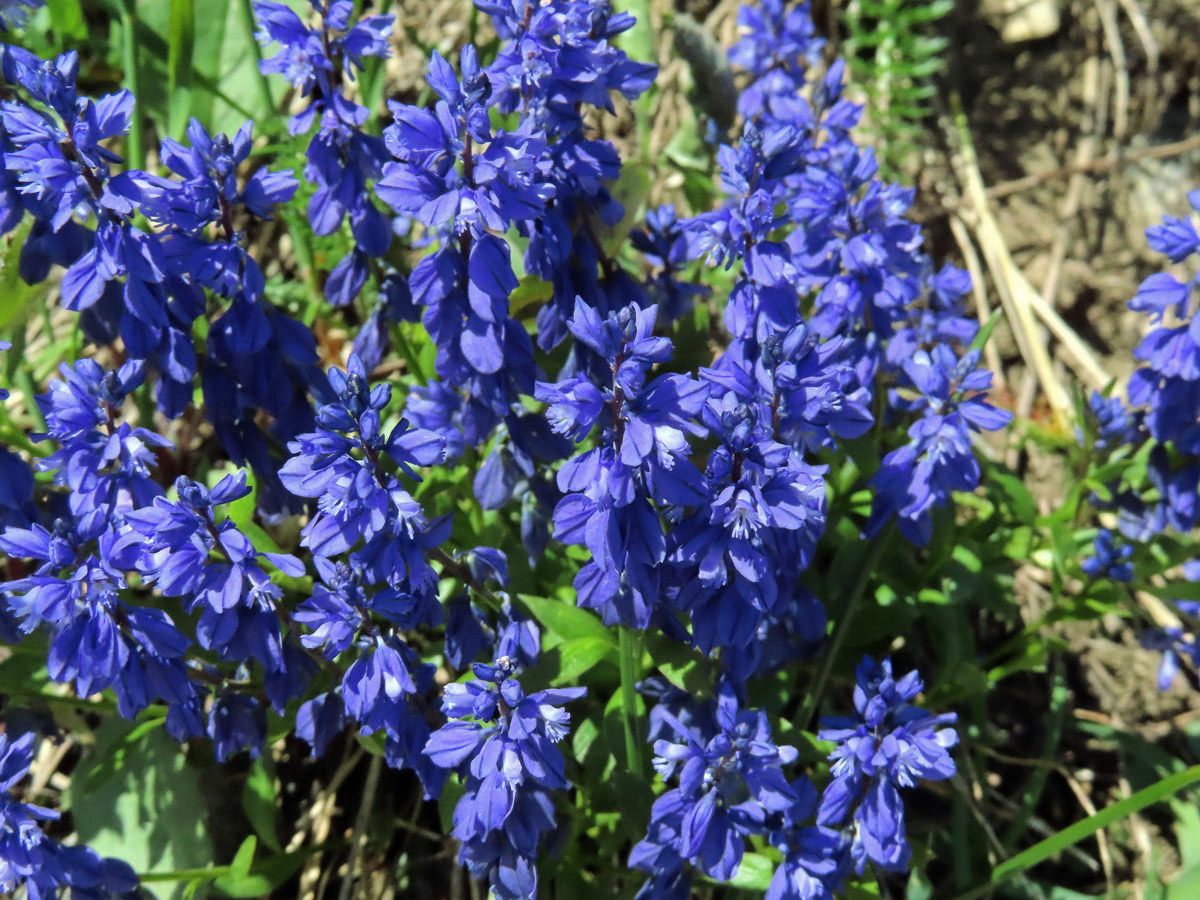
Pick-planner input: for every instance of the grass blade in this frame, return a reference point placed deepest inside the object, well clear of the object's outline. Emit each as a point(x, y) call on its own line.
point(135, 156)
point(181, 39)
point(1073, 834)
point(246, 9)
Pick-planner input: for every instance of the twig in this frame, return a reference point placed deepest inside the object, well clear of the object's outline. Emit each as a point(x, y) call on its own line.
point(49, 758)
point(1116, 49)
point(1011, 284)
point(983, 309)
point(1101, 836)
point(1086, 364)
point(1110, 161)
point(1145, 35)
point(361, 821)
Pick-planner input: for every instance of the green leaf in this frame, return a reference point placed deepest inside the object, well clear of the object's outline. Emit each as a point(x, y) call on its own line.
point(226, 83)
point(244, 858)
point(985, 333)
point(66, 17)
point(181, 38)
point(566, 620)
point(134, 797)
point(755, 873)
point(258, 800)
point(259, 878)
point(1019, 497)
point(580, 655)
point(14, 292)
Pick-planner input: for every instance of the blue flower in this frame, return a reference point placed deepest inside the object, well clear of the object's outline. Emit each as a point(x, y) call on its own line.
point(1111, 561)
point(1175, 643)
point(731, 784)
point(922, 475)
point(502, 741)
point(665, 245)
point(308, 57)
point(207, 194)
point(341, 465)
point(341, 158)
point(758, 527)
point(816, 860)
point(890, 744)
point(235, 723)
point(105, 463)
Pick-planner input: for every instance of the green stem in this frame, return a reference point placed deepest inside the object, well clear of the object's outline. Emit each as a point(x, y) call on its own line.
point(304, 256)
point(25, 382)
point(843, 627)
point(209, 873)
point(136, 157)
point(1036, 783)
point(630, 651)
point(262, 85)
point(410, 354)
point(107, 706)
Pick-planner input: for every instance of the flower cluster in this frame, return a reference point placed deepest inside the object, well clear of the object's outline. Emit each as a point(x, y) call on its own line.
point(890, 744)
point(503, 742)
point(731, 787)
point(342, 158)
point(1160, 420)
point(693, 502)
point(641, 454)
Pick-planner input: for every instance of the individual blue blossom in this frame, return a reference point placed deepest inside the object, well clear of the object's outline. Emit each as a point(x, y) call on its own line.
point(1176, 643)
point(467, 633)
point(1111, 560)
point(731, 785)
point(888, 745)
point(816, 860)
point(320, 720)
point(503, 741)
point(237, 722)
point(16, 481)
point(1176, 238)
